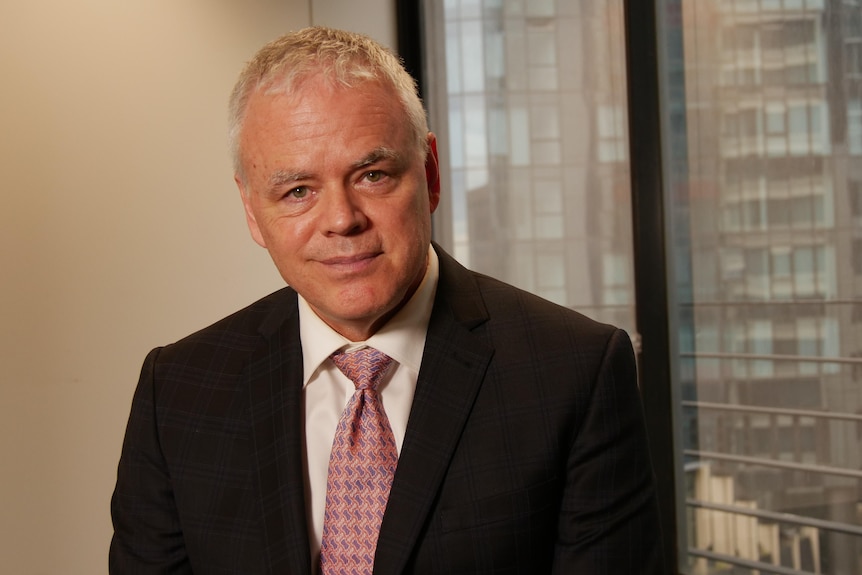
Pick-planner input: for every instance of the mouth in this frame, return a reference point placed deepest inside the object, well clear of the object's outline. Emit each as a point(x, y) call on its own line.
point(351, 263)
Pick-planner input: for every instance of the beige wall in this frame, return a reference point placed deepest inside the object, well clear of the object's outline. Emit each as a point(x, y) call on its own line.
point(120, 229)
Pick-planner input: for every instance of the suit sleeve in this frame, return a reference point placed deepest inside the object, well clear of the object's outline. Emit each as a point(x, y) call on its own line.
point(147, 535)
point(609, 515)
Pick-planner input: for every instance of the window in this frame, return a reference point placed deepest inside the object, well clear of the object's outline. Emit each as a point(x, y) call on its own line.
point(775, 420)
point(535, 106)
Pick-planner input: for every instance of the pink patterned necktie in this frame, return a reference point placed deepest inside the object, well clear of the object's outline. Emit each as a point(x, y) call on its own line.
point(361, 468)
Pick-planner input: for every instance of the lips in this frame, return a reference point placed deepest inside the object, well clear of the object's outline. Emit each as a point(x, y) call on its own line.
point(350, 263)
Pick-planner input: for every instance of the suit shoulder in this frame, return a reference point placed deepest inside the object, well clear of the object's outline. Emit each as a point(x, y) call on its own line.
point(476, 299)
point(510, 304)
point(241, 330)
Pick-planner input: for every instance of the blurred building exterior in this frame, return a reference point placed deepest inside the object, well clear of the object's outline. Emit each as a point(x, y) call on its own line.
point(773, 138)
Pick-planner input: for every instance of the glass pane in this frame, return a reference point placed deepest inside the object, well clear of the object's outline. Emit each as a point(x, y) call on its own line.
point(764, 141)
point(535, 151)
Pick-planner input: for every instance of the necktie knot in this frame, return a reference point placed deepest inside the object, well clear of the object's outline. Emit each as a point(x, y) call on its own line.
point(364, 367)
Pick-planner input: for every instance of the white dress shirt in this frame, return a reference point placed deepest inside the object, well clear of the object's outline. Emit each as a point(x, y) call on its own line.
point(326, 390)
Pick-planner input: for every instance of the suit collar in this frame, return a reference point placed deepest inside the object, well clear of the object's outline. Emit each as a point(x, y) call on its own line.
point(457, 289)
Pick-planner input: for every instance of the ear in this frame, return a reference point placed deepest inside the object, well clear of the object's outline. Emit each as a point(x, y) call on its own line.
point(432, 171)
point(250, 218)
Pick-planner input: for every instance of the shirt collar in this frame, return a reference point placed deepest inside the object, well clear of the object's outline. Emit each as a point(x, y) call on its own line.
point(402, 338)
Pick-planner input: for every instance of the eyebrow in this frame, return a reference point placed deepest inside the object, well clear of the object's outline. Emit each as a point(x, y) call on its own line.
point(283, 177)
point(377, 155)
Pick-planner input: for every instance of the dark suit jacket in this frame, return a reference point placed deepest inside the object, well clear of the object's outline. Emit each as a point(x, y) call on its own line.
point(525, 450)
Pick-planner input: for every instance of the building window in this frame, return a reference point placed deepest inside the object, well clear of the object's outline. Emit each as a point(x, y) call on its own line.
point(854, 192)
point(854, 126)
point(857, 256)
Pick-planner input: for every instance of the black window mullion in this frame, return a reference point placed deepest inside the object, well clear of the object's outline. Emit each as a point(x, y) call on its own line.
point(408, 16)
point(650, 256)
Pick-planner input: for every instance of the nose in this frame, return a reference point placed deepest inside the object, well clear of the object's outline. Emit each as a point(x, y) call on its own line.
point(342, 213)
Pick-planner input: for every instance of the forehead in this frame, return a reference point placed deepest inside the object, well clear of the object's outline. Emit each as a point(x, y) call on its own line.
point(319, 114)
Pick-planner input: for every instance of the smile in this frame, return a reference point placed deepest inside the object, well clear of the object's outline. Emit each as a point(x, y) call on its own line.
point(353, 263)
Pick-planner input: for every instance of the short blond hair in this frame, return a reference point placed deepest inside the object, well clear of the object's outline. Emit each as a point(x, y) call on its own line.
point(345, 58)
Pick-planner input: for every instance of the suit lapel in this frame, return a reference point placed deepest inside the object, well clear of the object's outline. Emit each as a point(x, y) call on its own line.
point(453, 367)
point(274, 377)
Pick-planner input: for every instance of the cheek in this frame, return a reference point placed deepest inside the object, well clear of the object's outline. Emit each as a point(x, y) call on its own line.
point(421, 216)
point(282, 236)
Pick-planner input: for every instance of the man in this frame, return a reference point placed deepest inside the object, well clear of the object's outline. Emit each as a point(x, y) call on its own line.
point(517, 424)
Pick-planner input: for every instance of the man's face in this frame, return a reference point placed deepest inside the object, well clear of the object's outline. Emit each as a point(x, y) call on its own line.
point(339, 193)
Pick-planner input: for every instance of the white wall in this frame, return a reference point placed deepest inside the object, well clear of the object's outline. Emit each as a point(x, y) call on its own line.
point(120, 229)
point(373, 17)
